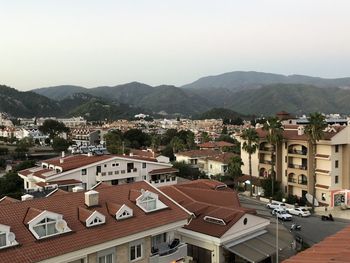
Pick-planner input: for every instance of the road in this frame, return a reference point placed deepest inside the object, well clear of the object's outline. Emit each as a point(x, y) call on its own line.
point(313, 229)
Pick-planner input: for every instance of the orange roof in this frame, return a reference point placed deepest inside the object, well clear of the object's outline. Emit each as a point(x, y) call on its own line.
point(7, 200)
point(30, 250)
point(222, 157)
point(199, 153)
point(215, 144)
point(291, 133)
point(204, 201)
point(333, 249)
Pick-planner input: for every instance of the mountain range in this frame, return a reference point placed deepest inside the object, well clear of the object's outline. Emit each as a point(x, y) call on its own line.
point(243, 92)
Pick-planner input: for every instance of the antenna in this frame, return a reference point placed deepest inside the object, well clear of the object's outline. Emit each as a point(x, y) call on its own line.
point(61, 225)
point(11, 237)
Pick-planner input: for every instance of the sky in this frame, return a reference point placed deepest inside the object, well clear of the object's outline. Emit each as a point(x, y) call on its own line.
point(109, 42)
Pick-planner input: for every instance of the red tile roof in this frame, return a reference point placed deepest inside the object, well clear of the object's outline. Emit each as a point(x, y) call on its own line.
point(215, 144)
point(199, 153)
point(333, 249)
point(30, 250)
point(222, 157)
point(208, 202)
point(7, 200)
point(291, 133)
point(84, 213)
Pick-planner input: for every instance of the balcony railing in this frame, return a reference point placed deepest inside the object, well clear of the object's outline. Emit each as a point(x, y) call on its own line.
point(297, 166)
point(265, 161)
point(298, 152)
point(165, 253)
point(267, 149)
point(296, 181)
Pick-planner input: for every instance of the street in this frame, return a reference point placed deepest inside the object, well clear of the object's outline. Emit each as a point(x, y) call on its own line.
point(313, 229)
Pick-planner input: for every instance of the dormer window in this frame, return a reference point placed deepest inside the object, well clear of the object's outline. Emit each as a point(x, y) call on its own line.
point(95, 219)
point(7, 238)
point(149, 202)
point(124, 212)
point(46, 224)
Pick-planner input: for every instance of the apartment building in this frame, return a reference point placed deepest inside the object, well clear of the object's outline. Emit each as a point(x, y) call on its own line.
point(85, 136)
point(87, 170)
point(293, 163)
point(125, 223)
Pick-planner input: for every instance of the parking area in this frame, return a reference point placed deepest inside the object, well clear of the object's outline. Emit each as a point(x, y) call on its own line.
point(313, 229)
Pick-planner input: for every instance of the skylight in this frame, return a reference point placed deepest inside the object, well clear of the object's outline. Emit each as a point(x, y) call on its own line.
point(149, 202)
point(214, 220)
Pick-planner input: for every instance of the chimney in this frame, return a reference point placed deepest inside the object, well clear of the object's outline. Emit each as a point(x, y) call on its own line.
point(91, 198)
point(63, 154)
point(77, 189)
point(27, 197)
point(301, 130)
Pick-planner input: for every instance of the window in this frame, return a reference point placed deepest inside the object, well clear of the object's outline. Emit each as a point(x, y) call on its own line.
point(45, 227)
point(106, 256)
point(110, 173)
point(336, 179)
point(337, 148)
point(47, 224)
point(106, 259)
point(158, 239)
point(144, 165)
point(323, 196)
point(124, 212)
point(96, 221)
point(336, 163)
point(105, 165)
point(285, 159)
point(136, 250)
point(149, 203)
point(2, 239)
point(83, 171)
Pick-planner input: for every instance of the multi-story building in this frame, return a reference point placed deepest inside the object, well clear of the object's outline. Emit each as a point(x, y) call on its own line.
point(293, 162)
point(211, 162)
point(222, 230)
point(125, 223)
point(85, 136)
point(88, 170)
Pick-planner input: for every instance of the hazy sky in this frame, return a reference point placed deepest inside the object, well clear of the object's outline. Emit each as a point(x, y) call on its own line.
point(101, 42)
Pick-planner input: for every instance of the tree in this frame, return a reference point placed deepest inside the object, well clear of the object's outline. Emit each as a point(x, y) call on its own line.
point(168, 136)
point(60, 144)
point(314, 131)
point(53, 128)
point(274, 129)
point(135, 138)
point(205, 137)
point(177, 144)
point(114, 142)
point(224, 130)
point(234, 167)
point(250, 145)
point(188, 172)
point(11, 185)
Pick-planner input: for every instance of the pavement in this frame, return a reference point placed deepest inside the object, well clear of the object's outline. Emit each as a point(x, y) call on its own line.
point(313, 229)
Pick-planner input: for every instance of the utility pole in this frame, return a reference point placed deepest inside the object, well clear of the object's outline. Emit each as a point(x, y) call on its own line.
point(277, 238)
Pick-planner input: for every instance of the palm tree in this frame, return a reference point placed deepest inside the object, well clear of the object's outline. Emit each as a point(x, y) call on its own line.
point(274, 136)
point(314, 131)
point(250, 145)
point(234, 167)
point(177, 144)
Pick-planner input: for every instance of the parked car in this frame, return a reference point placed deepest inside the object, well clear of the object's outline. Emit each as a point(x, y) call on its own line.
point(276, 204)
point(282, 214)
point(300, 211)
point(274, 211)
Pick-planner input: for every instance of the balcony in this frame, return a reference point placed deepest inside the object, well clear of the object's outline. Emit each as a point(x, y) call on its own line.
point(158, 182)
point(297, 150)
point(297, 166)
point(166, 253)
point(296, 181)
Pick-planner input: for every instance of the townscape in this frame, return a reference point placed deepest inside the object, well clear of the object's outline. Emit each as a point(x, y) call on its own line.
point(208, 188)
point(156, 131)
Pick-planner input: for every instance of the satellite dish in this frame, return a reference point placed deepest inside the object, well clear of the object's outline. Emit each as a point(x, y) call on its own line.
point(61, 225)
point(11, 237)
point(309, 199)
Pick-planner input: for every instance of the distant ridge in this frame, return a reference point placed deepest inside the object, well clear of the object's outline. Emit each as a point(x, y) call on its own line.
point(245, 92)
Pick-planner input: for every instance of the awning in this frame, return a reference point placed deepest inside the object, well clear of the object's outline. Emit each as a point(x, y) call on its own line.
point(258, 248)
